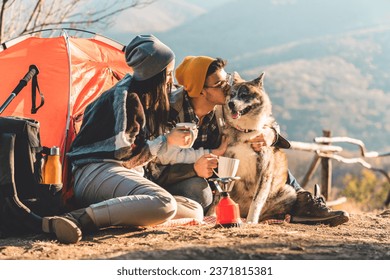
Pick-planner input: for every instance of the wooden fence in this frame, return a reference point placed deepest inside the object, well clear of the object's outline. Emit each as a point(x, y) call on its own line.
point(325, 151)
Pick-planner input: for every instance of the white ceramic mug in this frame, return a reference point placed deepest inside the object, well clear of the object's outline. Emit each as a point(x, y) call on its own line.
point(192, 128)
point(227, 167)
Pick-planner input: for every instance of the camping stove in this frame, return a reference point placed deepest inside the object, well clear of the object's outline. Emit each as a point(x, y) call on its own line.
point(227, 211)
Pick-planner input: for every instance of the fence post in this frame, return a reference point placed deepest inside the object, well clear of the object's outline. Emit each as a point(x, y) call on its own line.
point(326, 171)
point(312, 168)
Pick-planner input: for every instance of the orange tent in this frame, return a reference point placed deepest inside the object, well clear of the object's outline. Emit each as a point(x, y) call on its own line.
point(73, 72)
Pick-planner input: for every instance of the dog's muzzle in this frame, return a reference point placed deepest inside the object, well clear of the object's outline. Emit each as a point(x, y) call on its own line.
point(236, 114)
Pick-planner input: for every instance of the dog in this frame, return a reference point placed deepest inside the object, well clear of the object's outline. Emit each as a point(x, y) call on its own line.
point(261, 192)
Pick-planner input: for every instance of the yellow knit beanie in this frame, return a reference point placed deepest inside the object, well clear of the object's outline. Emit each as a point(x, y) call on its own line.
point(191, 73)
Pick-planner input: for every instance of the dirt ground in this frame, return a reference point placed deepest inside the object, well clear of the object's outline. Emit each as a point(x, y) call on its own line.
point(365, 237)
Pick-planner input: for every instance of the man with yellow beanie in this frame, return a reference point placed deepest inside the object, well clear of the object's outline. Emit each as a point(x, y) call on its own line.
point(204, 86)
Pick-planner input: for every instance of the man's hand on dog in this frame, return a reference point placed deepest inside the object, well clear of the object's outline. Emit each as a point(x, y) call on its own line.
point(265, 139)
point(205, 165)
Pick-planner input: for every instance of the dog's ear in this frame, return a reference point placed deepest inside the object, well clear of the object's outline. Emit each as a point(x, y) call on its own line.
point(237, 78)
point(259, 81)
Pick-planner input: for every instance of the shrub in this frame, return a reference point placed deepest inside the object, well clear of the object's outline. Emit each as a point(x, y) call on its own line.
point(366, 189)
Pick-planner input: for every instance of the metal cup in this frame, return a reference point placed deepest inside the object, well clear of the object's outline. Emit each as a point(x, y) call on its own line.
point(192, 128)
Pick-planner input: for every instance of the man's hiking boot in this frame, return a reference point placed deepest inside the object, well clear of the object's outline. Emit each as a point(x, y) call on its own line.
point(68, 227)
point(309, 209)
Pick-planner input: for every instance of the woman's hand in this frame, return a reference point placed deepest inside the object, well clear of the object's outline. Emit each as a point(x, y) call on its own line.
point(265, 139)
point(205, 165)
point(222, 148)
point(178, 137)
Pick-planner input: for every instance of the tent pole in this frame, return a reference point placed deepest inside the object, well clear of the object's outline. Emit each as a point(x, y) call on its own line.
point(66, 38)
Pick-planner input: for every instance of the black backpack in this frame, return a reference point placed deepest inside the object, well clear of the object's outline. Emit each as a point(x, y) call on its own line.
point(24, 200)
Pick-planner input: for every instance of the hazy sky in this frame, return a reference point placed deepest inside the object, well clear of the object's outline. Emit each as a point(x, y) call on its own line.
point(163, 15)
point(319, 56)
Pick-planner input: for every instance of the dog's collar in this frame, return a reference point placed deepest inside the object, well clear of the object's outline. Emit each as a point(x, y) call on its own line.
point(244, 130)
point(239, 128)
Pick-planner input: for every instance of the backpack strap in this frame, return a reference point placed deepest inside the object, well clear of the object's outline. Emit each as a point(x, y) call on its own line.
point(220, 118)
point(7, 172)
point(176, 103)
point(34, 87)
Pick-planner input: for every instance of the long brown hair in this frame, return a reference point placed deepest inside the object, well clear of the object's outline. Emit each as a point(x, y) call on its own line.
point(153, 94)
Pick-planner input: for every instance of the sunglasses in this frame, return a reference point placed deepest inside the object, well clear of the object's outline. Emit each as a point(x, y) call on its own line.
point(222, 84)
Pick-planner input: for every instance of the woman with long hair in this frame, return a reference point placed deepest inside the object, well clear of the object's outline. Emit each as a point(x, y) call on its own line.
point(123, 130)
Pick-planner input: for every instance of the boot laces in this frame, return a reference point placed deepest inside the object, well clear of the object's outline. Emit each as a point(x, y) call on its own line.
point(319, 201)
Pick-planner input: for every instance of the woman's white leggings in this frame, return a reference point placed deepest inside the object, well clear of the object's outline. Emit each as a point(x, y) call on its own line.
point(117, 196)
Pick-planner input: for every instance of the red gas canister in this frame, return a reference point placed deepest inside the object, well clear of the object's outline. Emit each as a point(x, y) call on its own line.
point(228, 212)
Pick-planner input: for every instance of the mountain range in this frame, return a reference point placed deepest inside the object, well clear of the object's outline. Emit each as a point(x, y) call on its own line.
point(326, 62)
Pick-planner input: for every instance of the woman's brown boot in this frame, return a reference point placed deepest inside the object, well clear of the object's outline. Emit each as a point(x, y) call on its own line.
point(68, 228)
